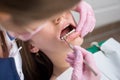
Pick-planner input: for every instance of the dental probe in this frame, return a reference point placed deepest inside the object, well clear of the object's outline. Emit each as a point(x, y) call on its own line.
point(83, 59)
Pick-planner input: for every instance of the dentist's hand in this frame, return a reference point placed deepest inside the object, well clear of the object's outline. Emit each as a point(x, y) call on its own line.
point(87, 18)
point(80, 70)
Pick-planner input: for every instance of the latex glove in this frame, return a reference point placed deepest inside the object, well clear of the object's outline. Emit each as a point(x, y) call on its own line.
point(80, 70)
point(87, 18)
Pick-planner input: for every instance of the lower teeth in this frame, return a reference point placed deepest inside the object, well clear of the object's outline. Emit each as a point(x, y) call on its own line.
point(66, 35)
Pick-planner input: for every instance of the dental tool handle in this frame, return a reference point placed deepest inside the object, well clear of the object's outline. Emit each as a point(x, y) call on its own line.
point(68, 43)
point(83, 59)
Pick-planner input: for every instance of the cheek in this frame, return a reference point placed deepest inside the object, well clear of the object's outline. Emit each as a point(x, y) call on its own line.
point(42, 40)
point(45, 45)
point(46, 38)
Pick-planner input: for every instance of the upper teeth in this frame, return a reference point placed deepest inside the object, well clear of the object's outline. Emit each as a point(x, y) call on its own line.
point(66, 35)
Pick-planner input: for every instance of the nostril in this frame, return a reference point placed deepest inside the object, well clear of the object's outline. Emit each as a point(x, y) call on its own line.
point(57, 20)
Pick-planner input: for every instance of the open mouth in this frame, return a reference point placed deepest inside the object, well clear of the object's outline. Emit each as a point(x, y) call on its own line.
point(67, 31)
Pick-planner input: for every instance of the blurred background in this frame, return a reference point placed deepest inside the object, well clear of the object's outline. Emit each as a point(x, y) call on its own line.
point(107, 14)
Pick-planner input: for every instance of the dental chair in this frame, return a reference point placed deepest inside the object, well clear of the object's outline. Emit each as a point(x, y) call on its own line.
point(107, 57)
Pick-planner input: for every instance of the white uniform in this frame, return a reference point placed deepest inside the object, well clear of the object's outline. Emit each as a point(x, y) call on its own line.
point(14, 53)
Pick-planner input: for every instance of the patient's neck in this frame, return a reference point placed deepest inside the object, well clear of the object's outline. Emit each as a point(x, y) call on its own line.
point(59, 62)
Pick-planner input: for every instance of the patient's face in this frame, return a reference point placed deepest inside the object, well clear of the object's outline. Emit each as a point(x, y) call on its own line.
point(49, 39)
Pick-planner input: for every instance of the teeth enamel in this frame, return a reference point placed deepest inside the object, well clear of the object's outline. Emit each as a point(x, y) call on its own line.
point(65, 36)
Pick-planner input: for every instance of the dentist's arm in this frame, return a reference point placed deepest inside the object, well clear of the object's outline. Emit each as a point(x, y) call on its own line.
point(87, 18)
point(80, 70)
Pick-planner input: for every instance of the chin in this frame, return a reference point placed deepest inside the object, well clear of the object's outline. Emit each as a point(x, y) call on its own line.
point(78, 41)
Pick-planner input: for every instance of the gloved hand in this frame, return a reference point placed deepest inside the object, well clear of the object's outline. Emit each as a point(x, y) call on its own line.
point(80, 70)
point(87, 18)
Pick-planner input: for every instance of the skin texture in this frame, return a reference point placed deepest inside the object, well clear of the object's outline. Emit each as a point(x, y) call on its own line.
point(48, 39)
point(55, 48)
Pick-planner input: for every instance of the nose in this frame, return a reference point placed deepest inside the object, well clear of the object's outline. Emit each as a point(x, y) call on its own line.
point(60, 18)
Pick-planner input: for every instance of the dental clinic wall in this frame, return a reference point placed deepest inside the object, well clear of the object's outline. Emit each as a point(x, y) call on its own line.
point(106, 11)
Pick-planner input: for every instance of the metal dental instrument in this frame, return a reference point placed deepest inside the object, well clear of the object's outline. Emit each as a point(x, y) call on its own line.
point(83, 59)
